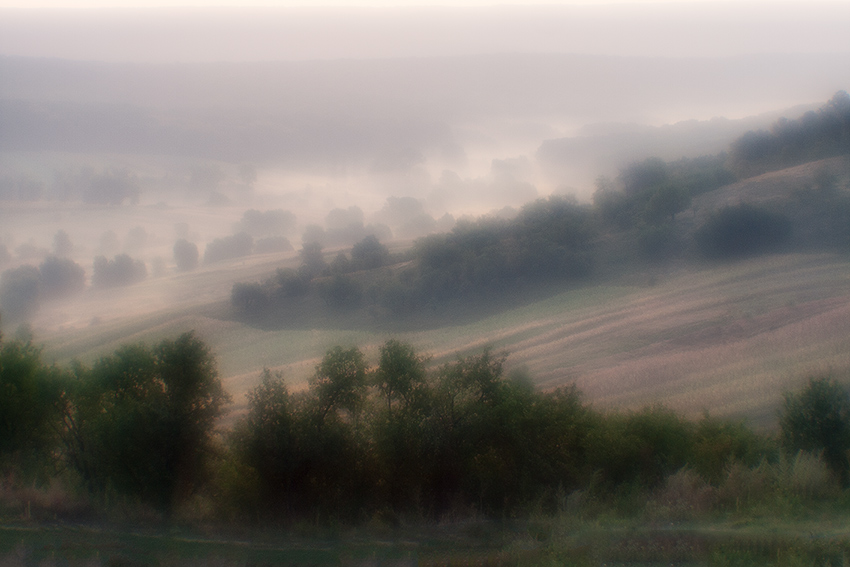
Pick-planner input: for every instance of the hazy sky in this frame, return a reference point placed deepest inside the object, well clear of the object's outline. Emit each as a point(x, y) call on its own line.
point(179, 30)
point(375, 3)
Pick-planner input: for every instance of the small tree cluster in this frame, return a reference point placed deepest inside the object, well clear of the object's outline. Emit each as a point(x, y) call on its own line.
point(23, 288)
point(120, 271)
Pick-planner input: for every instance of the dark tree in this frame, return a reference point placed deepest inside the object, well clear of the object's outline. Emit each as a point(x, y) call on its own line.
point(369, 254)
point(291, 283)
point(186, 255)
point(817, 419)
point(339, 383)
point(743, 230)
point(341, 292)
point(400, 376)
point(141, 421)
point(30, 393)
point(267, 440)
point(312, 260)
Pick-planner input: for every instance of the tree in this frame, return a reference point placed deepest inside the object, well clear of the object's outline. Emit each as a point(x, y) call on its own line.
point(817, 419)
point(141, 421)
point(29, 400)
point(369, 254)
point(266, 439)
point(185, 255)
point(400, 376)
point(340, 383)
point(312, 261)
point(668, 200)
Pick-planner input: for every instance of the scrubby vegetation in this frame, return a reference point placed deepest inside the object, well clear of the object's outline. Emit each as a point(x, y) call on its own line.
point(815, 135)
point(402, 441)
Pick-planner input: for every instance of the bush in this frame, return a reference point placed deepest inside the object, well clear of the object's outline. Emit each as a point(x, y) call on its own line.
point(743, 230)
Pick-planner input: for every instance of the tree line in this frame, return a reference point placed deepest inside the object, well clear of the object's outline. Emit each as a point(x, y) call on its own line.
point(142, 428)
point(632, 221)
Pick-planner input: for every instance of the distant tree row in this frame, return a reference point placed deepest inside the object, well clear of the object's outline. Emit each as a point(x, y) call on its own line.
point(815, 135)
point(549, 239)
point(399, 439)
point(22, 289)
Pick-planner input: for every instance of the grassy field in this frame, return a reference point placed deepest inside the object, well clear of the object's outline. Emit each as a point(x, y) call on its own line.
point(559, 540)
point(727, 339)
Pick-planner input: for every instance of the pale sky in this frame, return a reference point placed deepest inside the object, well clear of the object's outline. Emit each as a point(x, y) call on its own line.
point(225, 30)
point(347, 3)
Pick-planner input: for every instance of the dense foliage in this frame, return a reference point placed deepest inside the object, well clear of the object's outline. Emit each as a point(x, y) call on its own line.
point(815, 135)
point(403, 439)
point(743, 230)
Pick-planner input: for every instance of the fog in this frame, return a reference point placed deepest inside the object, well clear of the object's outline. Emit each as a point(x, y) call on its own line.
point(131, 129)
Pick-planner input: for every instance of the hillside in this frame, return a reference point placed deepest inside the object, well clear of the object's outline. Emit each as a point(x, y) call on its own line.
point(726, 338)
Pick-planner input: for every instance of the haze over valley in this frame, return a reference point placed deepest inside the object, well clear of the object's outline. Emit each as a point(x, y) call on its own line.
point(249, 133)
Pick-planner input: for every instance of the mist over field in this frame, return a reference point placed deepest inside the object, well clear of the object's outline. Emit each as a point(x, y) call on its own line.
point(167, 154)
point(502, 285)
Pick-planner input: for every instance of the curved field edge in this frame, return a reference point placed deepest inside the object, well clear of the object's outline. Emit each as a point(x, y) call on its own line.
point(727, 339)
